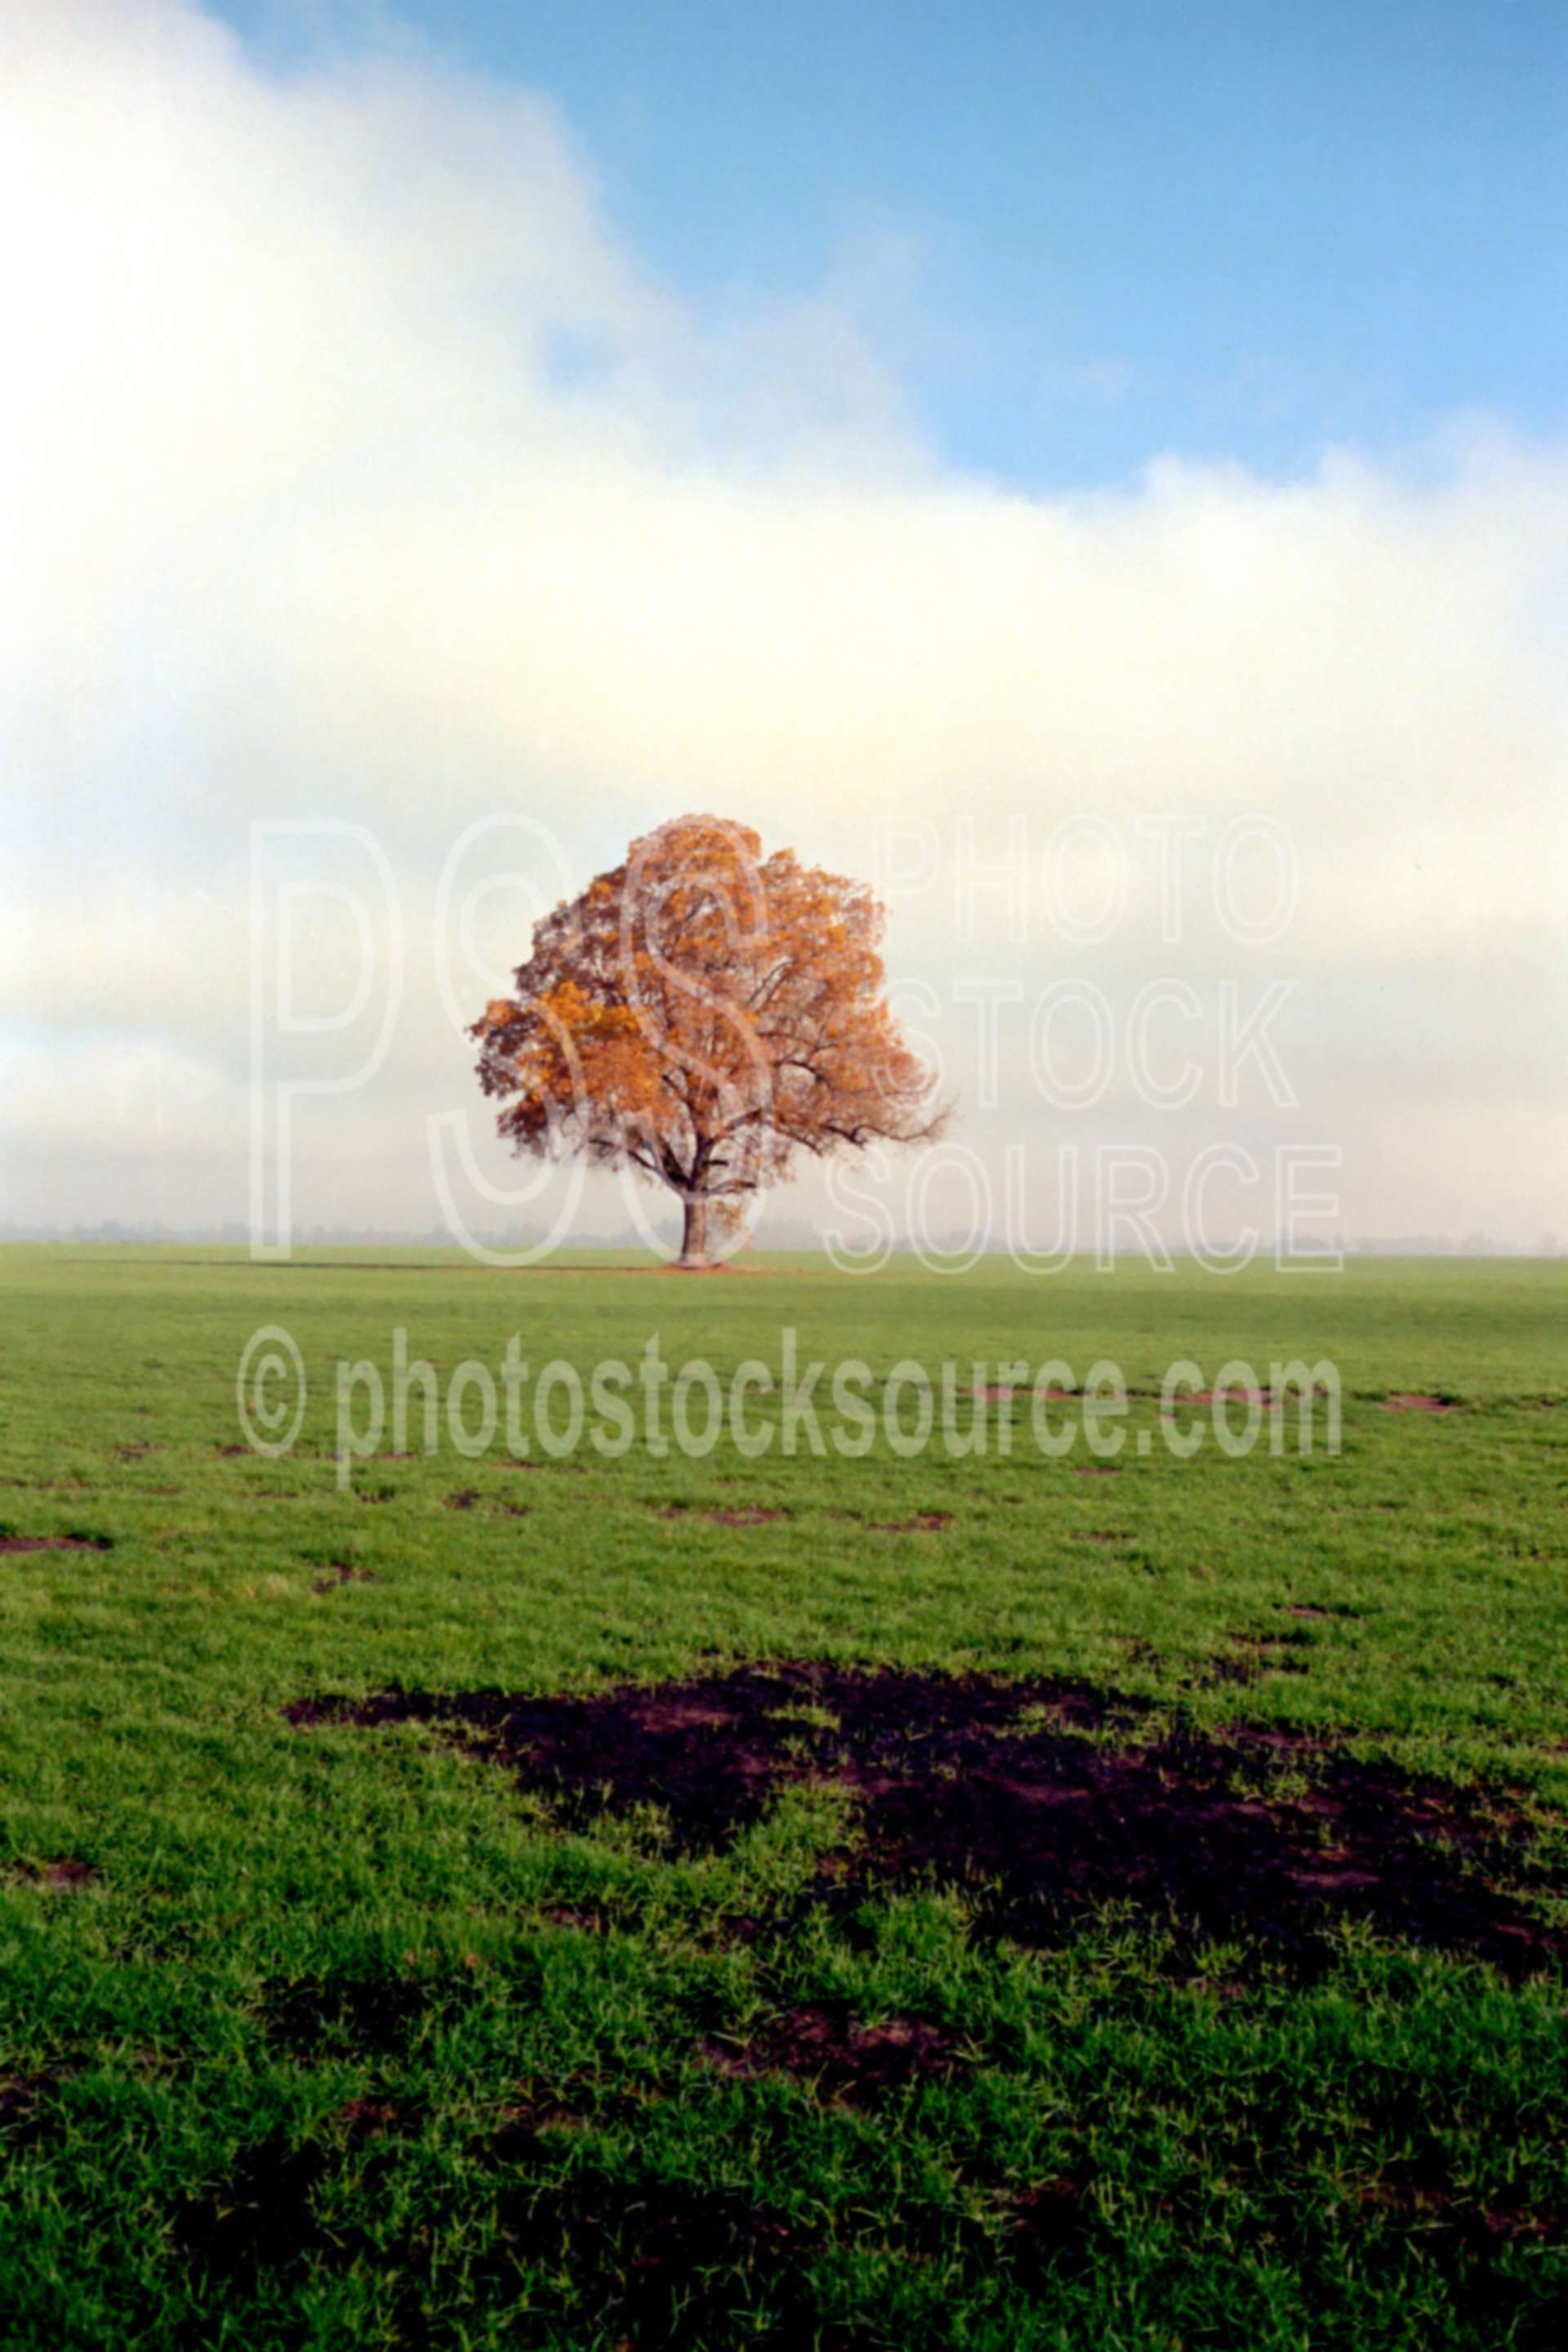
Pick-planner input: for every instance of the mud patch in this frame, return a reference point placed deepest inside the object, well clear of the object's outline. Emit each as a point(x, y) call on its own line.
point(928, 1523)
point(841, 2058)
point(991, 1786)
point(1415, 1403)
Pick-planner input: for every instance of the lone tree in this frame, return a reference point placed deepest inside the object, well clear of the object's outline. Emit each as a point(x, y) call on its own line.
point(701, 1014)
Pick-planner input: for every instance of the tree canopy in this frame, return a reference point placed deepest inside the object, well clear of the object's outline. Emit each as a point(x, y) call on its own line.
point(701, 1014)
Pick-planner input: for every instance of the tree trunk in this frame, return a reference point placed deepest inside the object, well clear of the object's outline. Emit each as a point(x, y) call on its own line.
point(694, 1236)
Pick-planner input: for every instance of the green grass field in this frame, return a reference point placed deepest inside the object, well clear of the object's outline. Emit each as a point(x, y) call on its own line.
point(1129, 1911)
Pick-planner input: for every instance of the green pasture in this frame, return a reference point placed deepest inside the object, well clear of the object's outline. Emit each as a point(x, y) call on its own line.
point(319, 2034)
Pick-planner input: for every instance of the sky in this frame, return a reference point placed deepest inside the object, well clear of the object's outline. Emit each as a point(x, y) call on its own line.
point(982, 447)
point(1086, 234)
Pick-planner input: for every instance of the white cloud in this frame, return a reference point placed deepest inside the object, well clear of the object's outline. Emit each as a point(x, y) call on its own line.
point(355, 466)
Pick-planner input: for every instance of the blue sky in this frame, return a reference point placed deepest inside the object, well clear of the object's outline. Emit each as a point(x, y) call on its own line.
point(568, 417)
point(1084, 234)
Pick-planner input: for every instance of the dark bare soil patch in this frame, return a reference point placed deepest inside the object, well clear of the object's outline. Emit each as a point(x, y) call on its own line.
point(12, 1544)
point(636, 2262)
point(998, 1392)
point(712, 1751)
point(842, 2058)
point(1050, 2231)
point(262, 2217)
point(1265, 1397)
point(670, 2263)
point(525, 2135)
point(373, 2016)
point(337, 1572)
point(470, 1499)
point(1252, 1655)
point(539, 2119)
point(21, 2122)
point(1413, 2191)
point(361, 2120)
point(532, 2128)
point(577, 1914)
point(1466, 2240)
point(1414, 1403)
point(640, 2261)
point(991, 1786)
point(743, 1516)
point(66, 1873)
point(929, 1523)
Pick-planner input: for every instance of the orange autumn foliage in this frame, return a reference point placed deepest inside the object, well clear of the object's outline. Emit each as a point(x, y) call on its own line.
point(701, 1014)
